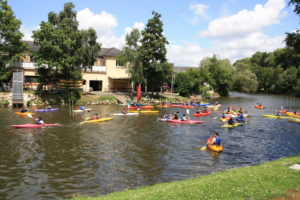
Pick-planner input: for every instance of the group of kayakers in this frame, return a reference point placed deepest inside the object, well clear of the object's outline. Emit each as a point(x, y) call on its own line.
point(37, 120)
point(175, 116)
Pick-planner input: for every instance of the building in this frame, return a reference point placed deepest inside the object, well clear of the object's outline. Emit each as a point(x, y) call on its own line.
point(107, 74)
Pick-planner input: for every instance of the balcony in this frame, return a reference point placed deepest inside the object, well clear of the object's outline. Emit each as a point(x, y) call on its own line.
point(22, 65)
point(98, 69)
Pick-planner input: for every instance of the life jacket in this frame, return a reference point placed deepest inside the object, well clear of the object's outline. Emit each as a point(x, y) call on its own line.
point(218, 141)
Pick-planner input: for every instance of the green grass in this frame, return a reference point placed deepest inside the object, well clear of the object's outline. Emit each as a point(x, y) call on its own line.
point(264, 181)
point(4, 103)
point(89, 99)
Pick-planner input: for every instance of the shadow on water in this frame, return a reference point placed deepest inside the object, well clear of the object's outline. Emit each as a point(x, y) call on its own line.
point(133, 151)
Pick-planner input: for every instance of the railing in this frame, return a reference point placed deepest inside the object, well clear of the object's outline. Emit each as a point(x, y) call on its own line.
point(29, 65)
point(98, 69)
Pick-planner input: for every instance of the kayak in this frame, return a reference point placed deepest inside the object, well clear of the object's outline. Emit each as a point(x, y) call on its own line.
point(144, 111)
point(142, 107)
point(32, 125)
point(259, 107)
point(232, 126)
point(225, 119)
point(290, 119)
point(275, 116)
point(184, 122)
point(187, 107)
point(214, 106)
point(162, 119)
point(79, 111)
point(176, 105)
point(24, 114)
point(127, 114)
point(202, 114)
point(291, 114)
point(46, 110)
point(216, 148)
point(97, 120)
point(240, 119)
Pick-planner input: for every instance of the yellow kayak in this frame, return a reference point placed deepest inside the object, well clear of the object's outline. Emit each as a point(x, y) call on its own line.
point(275, 116)
point(97, 120)
point(232, 126)
point(144, 111)
point(296, 120)
point(24, 114)
point(291, 114)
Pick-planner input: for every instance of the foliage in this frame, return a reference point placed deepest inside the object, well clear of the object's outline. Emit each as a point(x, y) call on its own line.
point(64, 50)
point(96, 99)
point(4, 103)
point(11, 46)
point(276, 72)
point(183, 84)
point(131, 56)
point(293, 39)
point(156, 69)
point(264, 181)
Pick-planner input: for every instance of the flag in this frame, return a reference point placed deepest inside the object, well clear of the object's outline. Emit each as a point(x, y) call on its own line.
point(138, 92)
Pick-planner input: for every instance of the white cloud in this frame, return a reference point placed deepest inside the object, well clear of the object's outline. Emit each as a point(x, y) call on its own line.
point(192, 54)
point(245, 21)
point(105, 25)
point(199, 9)
point(27, 32)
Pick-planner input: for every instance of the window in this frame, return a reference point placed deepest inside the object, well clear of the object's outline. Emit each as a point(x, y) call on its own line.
point(119, 63)
point(31, 79)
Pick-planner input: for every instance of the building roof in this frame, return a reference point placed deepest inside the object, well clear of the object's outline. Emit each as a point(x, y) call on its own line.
point(182, 69)
point(103, 51)
point(109, 52)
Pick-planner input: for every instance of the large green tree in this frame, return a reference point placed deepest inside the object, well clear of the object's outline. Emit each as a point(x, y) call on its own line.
point(219, 74)
point(153, 52)
point(64, 49)
point(11, 46)
point(130, 55)
point(293, 39)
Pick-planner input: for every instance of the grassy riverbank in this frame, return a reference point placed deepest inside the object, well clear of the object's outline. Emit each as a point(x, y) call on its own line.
point(264, 181)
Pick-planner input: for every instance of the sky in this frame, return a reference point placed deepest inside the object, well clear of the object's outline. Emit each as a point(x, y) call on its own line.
point(195, 29)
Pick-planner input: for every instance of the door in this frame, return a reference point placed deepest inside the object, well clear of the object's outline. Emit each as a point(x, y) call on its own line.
point(96, 85)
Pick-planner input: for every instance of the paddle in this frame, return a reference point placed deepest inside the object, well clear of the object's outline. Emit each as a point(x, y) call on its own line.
point(29, 115)
point(203, 148)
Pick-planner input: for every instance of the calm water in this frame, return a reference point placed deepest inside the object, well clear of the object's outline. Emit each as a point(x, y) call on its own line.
point(133, 151)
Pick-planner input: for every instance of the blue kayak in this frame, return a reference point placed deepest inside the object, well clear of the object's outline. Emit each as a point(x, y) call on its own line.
point(46, 110)
point(240, 119)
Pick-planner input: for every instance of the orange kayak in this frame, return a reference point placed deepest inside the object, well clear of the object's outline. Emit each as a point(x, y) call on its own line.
point(216, 148)
point(259, 107)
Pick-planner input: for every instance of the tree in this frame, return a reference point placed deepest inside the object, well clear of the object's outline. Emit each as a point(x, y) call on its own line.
point(245, 81)
point(219, 74)
point(153, 51)
point(183, 84)
point(293, 39)
point(11, 46)
point(64, 50)
point(131, 56)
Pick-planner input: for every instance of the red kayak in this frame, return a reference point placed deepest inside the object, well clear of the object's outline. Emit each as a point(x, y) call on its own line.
point(176, 105)
point(32, 125)
point(187, 106)
point(142, 107)
point(202, 114)
point(184, 122)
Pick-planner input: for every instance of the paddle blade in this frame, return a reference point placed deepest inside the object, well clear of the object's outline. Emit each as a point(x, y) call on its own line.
point(30, 116)
point(203, 148)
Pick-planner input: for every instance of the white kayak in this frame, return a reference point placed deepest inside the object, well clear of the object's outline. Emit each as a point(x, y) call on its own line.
point(121, 114)
point(80, 111)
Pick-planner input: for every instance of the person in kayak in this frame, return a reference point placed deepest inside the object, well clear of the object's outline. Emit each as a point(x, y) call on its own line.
point(48, 107)
point(230, 121)
point(241, 117)
point(81, 108)
point(24, 110)
point(123, 111)
point(176, 116)
point(228, 110)
point(167, 116)
point(216, 141)
point(278, 113)
point(223, 115)
point(39, 121)
point(95, 116)
point(183, 118)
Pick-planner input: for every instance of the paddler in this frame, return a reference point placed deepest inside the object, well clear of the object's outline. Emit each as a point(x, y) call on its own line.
point(81, 108)
point(216, 140)
point(230, 121)
point(24, 110)
point(95, 116)
point(39, 121)
point(123, 111)
point(183, 118)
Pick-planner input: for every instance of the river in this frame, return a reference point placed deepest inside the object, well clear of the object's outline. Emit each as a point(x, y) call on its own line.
point(133, 151)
